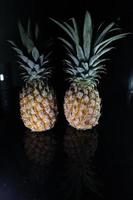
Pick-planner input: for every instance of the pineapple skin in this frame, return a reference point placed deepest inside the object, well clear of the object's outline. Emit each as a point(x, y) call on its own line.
point(38, 107)
point(82, 106)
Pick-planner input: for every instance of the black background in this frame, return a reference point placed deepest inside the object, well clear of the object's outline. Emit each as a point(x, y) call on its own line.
point(115, 150)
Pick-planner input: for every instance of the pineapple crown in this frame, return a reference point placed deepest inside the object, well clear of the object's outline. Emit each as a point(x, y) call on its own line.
point(85, 62)
point(35, 64)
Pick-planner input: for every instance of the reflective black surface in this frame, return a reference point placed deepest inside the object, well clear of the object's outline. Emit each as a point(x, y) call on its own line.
point(44, 166)
point(57, 164)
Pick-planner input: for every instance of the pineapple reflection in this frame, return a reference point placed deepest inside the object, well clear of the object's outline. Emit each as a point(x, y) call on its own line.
point(80, 146)
point(78, 178)
point(40, 151)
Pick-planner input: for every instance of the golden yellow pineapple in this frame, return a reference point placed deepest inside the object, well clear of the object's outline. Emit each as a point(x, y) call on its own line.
point(38, 107)
point(85, 62)
point(82, 106)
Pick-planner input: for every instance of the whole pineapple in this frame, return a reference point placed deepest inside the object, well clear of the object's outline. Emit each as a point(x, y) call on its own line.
point(38, 105)
point(82, 104)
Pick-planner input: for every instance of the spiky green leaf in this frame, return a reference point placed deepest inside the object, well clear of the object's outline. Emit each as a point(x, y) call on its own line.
point(18, 51)
point(70, 29)
point(28, 70)
point(108, 41)
point(12, 43)
point(87, 35)
point(99, 62)
point(68, 50)
point(46, 61)
point(69, 72)
point(86, 75)
point(27, 42)
point(69, 65)
point(86, 66)
point(35, 53)
point(99, 68)
point(80, 69)
point(97, 56)
point(104, 33)
point(23, 58)
point(47, 55)
point(75, 31)
point(66, 43)
point(30, 64)
point(74, 59)
point(36, 67)
point(64, 28)
point(80, 53)
point(42, 70)
point(114, 29)
point(41, 59)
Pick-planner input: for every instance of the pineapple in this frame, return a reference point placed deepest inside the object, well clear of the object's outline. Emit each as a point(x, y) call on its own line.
point(38, 107)
point(85, 63)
